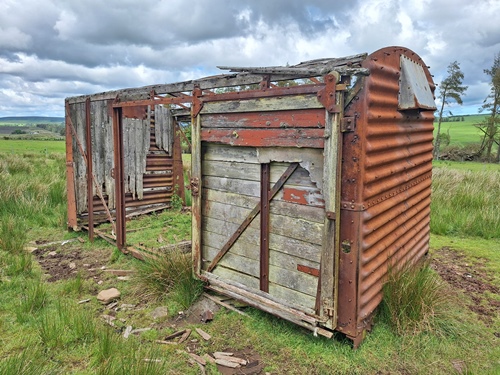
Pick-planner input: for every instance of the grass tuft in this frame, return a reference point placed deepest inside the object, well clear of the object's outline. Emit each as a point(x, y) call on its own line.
point(416, 300)
point(170, 274)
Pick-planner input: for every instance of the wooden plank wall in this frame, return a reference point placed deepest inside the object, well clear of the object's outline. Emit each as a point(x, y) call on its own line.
point(148, 145)
point(231, 189)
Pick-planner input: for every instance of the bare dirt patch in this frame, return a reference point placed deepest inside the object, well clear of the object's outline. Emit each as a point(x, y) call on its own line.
point(60, 263)
point(471, 278)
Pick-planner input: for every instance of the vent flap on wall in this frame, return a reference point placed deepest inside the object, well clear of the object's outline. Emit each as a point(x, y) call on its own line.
point(414, 90)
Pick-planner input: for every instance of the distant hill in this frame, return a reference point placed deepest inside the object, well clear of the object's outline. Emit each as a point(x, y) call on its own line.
point(32, 119)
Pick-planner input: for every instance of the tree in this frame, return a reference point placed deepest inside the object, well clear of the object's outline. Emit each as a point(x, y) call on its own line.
point(451, 87)
point(491, 124)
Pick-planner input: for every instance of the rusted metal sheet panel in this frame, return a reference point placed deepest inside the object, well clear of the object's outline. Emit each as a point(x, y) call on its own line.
point(386, 185)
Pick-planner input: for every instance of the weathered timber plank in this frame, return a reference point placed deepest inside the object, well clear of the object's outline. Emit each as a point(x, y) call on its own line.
point(305, 137)
point(232, 169)
point(297, 228)
point(164, 129)
point(286, 245)
point(236, 262)
point(310, 159)
point(294, 228)
point(287, 299)
point(228, 274)
point(196, 152)
point(277, 206)
point(77, 115)
point(248, 247)
point(229, 153)
point(328, 292)
point(297, 299)
point(243, 187)
point(283, 103)
point(311, 118)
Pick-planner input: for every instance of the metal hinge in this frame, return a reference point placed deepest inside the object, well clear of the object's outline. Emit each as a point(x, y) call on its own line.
point(195, 187)
point(348, 124)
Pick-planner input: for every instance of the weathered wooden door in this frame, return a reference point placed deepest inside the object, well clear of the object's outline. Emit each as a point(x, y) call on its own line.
point(264, 203)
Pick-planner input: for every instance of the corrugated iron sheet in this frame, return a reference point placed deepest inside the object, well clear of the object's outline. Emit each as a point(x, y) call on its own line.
point(386, 187)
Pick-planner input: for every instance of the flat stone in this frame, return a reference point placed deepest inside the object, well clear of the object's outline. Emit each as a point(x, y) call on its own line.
point(72, 265)
point(52, 253)
point(159, 312)
point(107, 295)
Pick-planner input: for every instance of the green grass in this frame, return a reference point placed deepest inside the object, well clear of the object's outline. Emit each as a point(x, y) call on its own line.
point(462, 132)
point(43, 330)
point(38, 147)
point(465, 202)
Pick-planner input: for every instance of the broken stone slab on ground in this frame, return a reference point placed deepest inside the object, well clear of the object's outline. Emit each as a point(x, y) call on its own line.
point(108, 295)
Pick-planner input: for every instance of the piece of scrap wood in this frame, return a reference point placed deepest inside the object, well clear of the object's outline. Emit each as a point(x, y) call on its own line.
point(139, 330)
point(203, 334)
point(237, 360)
point(174, 335)
point(198, 359)
point(127, 332)
point(223, 304)
point(185, 336)
point(84, 301)
point(165, 342)
point(225, 363)
point(209, 358)
point(222, 354)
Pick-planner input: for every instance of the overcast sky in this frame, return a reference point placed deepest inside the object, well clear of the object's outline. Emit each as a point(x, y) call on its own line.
point(52, 49)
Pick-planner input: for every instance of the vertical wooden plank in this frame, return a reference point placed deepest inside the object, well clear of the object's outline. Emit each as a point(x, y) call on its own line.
point(70, 173)
point(327, 288)
point(119, 181)
point(196, 190)
point(265, 173)
point(90, 190)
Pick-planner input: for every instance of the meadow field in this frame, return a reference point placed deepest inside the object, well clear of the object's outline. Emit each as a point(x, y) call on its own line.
point(51, 322)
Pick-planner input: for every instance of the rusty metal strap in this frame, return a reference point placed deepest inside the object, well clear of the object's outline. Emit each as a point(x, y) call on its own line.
point(84, 155)
point(279, 184)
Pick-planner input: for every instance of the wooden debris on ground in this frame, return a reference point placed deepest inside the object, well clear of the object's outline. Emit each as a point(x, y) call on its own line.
point(223, 304)
point(205, 336)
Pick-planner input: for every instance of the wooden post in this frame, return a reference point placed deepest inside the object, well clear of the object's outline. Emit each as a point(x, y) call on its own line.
point(331, 180)
point(196, 193)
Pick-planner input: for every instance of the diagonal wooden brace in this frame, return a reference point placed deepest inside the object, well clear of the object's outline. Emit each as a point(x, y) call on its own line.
point(279, 184)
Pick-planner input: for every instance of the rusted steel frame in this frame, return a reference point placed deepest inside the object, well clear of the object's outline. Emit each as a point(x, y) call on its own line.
point(70, 174)
point(265, 93)
point(265, 177)
point(98, 189)
point(90, 190)
point(279, 184)
point(119, 179)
